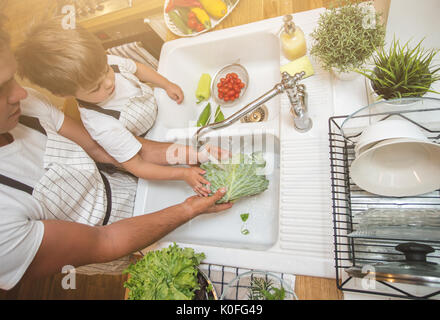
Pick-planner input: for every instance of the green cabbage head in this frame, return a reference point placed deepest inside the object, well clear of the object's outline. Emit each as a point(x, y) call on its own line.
point(241, 175)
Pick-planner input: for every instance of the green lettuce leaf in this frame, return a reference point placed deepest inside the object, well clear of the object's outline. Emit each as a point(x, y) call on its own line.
point(241, 175)
point(167, 274)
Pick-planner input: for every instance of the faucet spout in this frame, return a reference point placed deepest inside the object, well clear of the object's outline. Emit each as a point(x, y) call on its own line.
point(297, 97)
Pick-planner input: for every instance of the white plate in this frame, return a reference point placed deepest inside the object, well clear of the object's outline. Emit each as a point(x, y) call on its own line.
point(179, 33)
point(398, 168)
point(388, 129)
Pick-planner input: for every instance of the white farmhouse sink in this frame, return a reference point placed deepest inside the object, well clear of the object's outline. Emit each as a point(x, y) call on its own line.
point(183, 62)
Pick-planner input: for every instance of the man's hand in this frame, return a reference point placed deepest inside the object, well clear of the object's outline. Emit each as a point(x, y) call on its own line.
point(197, 205)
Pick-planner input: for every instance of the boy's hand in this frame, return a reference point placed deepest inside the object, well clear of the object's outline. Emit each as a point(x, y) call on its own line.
point(174, 92)
point(194, 177)
point(209, 152)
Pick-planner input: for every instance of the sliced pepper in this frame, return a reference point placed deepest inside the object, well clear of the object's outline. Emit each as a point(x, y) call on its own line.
point(205, 116)
point(204, 88)
point(219, 116)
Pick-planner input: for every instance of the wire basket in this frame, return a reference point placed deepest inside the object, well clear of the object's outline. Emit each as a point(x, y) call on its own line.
point(350, 202)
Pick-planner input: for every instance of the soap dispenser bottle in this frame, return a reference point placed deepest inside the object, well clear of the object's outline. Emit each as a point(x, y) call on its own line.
point(293, 41)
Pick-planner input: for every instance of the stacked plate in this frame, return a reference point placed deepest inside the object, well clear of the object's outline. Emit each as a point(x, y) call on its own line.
point(394, 158)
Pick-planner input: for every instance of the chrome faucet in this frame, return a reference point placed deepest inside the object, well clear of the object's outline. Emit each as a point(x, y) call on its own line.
point(298, 100)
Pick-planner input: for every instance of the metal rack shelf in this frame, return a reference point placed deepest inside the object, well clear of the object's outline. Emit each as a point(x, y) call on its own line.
point(349, 201)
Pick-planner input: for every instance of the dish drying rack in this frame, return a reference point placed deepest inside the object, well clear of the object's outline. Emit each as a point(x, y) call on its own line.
point(349, 200)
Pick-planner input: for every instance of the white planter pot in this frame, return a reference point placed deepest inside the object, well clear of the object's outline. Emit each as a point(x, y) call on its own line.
point(373, 97)
point(345, 76)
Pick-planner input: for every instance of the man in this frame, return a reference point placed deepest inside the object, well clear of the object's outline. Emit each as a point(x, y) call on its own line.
point(35, 239)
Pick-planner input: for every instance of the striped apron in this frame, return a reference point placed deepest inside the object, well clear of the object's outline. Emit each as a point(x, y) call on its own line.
point(138, 115)
point(73, 188)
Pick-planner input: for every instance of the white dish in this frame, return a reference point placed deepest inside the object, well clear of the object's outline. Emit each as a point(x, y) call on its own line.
point(398, 168)
point(243, 75)
point(388, 129)
point(172, 27)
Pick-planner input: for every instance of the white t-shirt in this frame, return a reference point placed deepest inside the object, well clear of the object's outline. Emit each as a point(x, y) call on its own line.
point(109, 132)
point(21, 229)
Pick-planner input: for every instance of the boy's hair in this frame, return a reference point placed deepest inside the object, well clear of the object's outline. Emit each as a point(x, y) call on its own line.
point(61, 60)
point(4, 36)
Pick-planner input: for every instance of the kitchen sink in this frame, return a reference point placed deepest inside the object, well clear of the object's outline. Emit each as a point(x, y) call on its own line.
point(183, 62)
point(224, 229)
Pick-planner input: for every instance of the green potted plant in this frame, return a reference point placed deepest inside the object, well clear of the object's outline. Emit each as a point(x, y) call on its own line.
point(259, 285)
point(346, 37)
point(402, 72)
point(169, 274)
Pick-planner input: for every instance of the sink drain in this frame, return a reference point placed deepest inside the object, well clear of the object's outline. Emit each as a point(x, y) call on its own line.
point(259, 115)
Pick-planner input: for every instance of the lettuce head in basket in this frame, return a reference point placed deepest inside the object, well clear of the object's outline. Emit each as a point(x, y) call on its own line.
point(242, 175)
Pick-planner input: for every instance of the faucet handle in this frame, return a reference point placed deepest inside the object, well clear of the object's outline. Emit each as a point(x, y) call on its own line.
point(290, 81)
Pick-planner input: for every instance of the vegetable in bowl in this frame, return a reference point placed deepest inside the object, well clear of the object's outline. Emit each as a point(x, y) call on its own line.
point(168, 274)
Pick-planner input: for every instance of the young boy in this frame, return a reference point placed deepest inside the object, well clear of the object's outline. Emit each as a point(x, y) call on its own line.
point(115, 104)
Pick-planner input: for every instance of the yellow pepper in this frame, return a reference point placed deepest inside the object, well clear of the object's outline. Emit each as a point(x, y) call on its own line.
point(204, 88)
point(202, 16)
point(215, 8)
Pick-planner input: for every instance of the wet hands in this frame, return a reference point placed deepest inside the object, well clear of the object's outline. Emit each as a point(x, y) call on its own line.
point(197, 205)
point(193, 176)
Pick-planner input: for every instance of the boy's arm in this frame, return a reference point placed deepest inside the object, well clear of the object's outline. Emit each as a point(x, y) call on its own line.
point(163, 153)
point(75, 131)
point(149, 171)
point(147, 74)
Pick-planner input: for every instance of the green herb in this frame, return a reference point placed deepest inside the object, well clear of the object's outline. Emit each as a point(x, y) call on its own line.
point(263, 289)
point(245, 232)
point(168, 274)
point(241, 175)
point(244, 217)
point(403, 72)
point(347, 36)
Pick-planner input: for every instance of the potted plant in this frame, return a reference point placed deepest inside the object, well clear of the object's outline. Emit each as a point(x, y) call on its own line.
point(346, 37)
point(402, 72)
point(259, 285)
point(169, 274)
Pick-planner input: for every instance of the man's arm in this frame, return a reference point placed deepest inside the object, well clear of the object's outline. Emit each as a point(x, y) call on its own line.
point(67, 243)
point(75, 131)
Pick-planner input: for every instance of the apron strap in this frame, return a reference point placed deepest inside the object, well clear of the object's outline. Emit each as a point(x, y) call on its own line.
point(33, 123)
point(108, 193)
point(16, 184)
point(95, 107)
